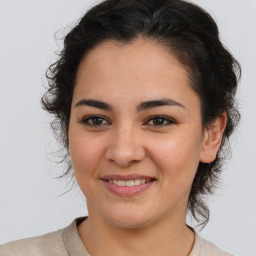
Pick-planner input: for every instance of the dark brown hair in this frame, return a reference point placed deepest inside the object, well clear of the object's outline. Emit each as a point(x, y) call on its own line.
point(187, 31)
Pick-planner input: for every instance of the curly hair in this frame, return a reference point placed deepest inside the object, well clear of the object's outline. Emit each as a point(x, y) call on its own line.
point(191, 34)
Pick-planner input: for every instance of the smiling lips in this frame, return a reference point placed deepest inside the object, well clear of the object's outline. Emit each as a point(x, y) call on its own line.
point(128, 185)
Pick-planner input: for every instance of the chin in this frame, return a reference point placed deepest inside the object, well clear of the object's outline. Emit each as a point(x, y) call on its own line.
point(126, 223)
point(128, 219)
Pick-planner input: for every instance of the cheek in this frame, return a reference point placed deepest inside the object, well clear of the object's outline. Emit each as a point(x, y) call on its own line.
point(177, 157)
point(85, 153)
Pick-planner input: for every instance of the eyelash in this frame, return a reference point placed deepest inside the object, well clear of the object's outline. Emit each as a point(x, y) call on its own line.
point(166, 119)
point(87, 119)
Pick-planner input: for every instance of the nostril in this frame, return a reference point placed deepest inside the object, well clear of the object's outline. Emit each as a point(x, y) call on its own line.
point(125, 154)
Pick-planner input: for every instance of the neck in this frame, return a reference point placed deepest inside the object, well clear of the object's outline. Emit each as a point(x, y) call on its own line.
point(170, 236)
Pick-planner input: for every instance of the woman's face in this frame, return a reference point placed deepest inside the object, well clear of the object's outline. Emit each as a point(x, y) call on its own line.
point(135, 135)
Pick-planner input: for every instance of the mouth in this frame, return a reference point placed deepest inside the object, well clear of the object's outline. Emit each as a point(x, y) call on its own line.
point(128, 185)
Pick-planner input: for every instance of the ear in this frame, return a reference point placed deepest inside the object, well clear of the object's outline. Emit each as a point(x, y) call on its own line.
point(212, 139)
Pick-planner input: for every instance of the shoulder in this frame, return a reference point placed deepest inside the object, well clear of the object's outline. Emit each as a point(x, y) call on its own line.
point(211, 250)
point(204, 248)
point(48, 244)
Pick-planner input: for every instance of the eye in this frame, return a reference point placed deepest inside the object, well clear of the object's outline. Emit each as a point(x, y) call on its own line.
point(159, 120)
point(94, 121)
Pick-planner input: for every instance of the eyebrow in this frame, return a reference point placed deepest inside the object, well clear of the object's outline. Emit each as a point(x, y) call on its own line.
point(157, 103)
point(142, 106)
point(94, 103)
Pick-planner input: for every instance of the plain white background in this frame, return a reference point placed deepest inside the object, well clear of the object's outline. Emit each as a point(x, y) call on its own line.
point(29, 202)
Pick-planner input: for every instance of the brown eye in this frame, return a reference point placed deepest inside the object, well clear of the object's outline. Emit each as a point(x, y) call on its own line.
point(94, 121)
point(160, 121)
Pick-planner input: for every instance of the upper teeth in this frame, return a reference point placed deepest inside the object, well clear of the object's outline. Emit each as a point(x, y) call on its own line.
point(128, 183)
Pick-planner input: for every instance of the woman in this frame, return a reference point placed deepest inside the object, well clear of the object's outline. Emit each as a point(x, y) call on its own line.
point(143, 94)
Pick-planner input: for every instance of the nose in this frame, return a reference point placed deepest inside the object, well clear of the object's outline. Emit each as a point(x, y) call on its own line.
point(125, 148)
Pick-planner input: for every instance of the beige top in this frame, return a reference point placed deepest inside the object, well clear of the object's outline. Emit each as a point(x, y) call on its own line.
point(66, 242)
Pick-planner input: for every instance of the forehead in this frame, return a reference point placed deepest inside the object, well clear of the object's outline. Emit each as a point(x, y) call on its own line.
point(141, 66)
point(137, 57)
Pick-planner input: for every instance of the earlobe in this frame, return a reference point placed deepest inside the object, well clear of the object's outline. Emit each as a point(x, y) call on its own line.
point(212, 139)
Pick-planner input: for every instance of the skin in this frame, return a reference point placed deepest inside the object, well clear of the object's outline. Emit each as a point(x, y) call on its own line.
point(128, 141)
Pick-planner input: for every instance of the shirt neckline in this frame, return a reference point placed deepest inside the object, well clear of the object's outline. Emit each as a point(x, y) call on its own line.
point(72, 241)
point(75, 247)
